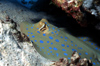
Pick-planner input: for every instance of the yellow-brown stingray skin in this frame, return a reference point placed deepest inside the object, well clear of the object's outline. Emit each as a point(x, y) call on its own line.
point(57, 46)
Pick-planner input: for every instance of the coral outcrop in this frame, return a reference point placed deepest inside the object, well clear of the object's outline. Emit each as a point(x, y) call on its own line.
point(84, 11)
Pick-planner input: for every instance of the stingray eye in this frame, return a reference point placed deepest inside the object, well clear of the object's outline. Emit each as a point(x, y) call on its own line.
point(43, 26)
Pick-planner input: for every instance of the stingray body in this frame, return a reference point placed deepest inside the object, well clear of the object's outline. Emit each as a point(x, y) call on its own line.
point(53, 43)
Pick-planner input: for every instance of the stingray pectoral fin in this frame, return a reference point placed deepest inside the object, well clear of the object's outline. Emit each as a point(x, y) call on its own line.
point(24, 25)
point(93, 46)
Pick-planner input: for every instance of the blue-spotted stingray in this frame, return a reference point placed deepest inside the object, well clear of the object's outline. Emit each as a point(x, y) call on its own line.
point(53, 43)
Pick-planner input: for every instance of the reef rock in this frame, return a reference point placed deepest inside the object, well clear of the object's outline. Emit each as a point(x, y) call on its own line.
point(84, 11)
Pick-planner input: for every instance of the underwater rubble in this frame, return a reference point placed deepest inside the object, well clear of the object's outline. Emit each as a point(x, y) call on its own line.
point(86, 12)
point(17, 50)
point(75, 61)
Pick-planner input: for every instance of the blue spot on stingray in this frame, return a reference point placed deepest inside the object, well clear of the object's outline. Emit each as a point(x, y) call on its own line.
point(71, 44)
point(55, 31)
point(50, 51)
point(68, 57)
point(31, 41)
point(31, 33)
point(50, 37)
point(38, 32)
point(52, 32)
point(56, 34)
point(57, 40)
point(61, 37)
point(28, 32)
point(37, 28)
point(35, 40)
point(42, 47)
point(79, 47)
point(67, 45)
point(26, 28)
point(90, 57)
point(47, 25)
point(53, 28)
point(91, 43)
point(55, 48)
point(30, 37)
point(95, 44)
point(73, 49)
point(96, 48)
point(27, 25)
point(97, 63)
point(86, 53)
point(45, 22)
point(52, 54)
point(50, 47)
point(27, 35)
point(44, 34)
point(57, 54)
point(62, 45)
point(51, 43)
point(82, 37)
point(41, 41)
point(79, 53)
point(65, 54)
point(47, 50)
point(31, 27)
point(71, 41)
point(58, 30)
point(75, 45)
point(47, 41)
point(63, 50)
point(94, 63)
point(33, 36)
point(99, 49)
point(33, 24)
point(65, 40)
point(85, 40)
